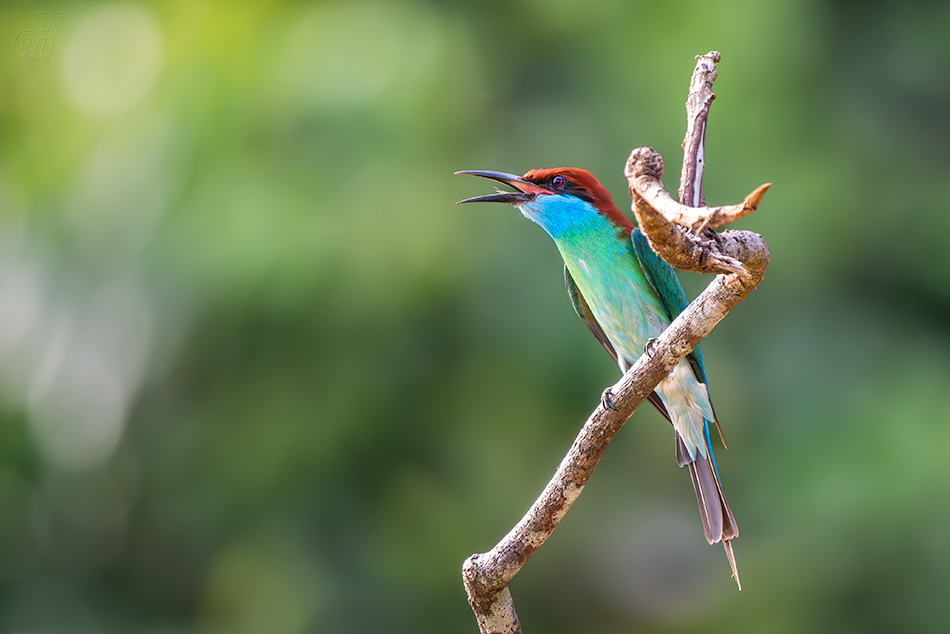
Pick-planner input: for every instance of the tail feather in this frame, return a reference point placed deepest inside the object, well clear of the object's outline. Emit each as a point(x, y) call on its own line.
point(682, 454)
point(718, 521)
point(710, 509)
point(727, 544)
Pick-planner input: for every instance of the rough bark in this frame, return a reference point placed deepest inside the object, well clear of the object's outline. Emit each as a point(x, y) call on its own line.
point(697, 113)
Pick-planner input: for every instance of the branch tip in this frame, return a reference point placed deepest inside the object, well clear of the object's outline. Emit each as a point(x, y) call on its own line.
point(752, 200)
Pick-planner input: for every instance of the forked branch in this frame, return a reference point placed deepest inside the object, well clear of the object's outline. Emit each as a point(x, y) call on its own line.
point(665, 221)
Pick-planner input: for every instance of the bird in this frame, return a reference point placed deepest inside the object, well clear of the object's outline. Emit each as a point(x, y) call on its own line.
point(627, 296)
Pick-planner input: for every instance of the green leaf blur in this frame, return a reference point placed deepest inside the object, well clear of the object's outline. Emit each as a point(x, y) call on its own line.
point(258, 373)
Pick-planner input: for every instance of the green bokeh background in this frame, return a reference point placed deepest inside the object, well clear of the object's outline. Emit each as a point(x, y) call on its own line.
point(259, 374)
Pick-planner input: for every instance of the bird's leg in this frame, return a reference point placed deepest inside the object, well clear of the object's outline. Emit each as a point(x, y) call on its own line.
point(605, 399)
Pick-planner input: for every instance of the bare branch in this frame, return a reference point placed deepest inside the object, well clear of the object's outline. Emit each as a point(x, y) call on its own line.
point(697, 112)
point(695, 218)
point(496, 612)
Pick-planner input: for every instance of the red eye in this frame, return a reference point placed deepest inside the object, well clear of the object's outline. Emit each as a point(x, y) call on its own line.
point(557, 181)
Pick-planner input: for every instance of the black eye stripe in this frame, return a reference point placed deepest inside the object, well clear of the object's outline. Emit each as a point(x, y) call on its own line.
point(584, 196)
point(563, 185)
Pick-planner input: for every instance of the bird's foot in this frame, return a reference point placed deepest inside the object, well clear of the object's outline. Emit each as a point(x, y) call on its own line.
point(606, 399)
point(649, 347)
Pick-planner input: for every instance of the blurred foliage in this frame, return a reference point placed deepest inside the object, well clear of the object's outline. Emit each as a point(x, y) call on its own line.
point(258, 374)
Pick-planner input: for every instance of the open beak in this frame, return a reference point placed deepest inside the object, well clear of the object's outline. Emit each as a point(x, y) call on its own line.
point(526, 189)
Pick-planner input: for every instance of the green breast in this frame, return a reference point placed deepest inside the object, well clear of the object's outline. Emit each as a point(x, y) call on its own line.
point(600, 258)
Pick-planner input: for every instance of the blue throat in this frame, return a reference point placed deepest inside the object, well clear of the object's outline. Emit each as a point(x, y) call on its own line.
point(561, 215)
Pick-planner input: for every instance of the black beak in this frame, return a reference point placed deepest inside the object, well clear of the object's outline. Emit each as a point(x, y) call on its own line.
point(513, 198)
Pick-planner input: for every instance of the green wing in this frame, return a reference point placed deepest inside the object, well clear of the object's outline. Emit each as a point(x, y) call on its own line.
point(587, 316)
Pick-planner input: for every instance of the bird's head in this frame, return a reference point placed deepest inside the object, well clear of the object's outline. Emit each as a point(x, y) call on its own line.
point(555, 198)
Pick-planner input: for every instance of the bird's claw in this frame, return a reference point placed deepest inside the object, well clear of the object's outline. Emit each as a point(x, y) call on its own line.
point(649, 347)
point(605, 400)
